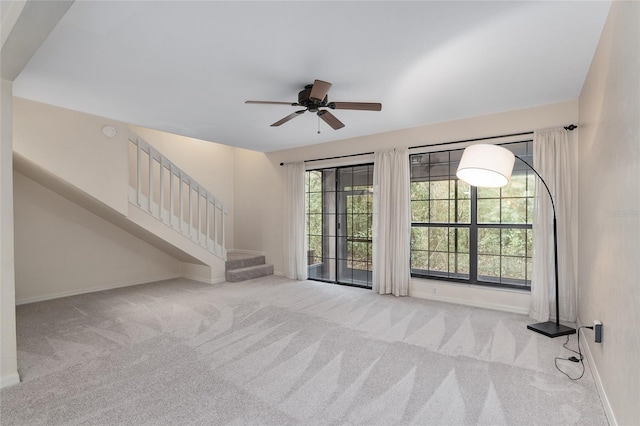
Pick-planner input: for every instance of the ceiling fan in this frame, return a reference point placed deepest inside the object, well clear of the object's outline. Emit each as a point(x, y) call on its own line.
point(314, 99)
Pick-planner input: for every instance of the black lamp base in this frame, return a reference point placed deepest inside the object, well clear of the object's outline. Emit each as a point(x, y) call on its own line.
point(551, 329)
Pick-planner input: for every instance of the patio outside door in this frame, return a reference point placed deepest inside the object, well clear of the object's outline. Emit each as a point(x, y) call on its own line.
point(339, 206)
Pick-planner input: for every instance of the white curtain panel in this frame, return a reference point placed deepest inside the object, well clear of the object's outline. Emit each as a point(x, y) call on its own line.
point(295, 244)
point(551, 158)
point(391, 222)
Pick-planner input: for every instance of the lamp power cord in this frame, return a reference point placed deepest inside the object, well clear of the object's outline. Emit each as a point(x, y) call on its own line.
point(573, 358)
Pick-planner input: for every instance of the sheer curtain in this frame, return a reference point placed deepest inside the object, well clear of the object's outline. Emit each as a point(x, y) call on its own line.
point(295, 244)
point(391, 222)
point(551, 158)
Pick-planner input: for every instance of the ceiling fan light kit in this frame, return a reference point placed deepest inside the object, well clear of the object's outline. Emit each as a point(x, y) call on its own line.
point(314, 99)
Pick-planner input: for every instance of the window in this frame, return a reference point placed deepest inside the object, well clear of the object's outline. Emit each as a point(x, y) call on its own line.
point(467, 234)
point(339, 210)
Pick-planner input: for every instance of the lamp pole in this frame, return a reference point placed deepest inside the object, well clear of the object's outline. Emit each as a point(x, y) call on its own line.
point(549, 328)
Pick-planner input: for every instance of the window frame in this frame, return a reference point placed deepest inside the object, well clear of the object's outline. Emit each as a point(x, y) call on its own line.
point(334, 224)
point(473, 226)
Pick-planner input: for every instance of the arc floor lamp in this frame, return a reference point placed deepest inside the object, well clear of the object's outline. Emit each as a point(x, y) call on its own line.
point(491, 166)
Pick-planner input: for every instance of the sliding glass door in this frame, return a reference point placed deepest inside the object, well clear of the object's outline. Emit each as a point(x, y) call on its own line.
point(339, 207)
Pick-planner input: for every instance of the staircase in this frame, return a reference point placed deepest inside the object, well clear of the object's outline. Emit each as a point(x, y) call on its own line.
point(243, 267)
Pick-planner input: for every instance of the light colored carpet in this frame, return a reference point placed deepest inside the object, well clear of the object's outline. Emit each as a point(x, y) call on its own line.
point(279, 352)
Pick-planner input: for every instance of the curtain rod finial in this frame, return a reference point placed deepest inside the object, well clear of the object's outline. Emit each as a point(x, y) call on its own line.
point(571, 127)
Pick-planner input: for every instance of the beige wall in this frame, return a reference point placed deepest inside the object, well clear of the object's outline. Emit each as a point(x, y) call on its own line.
point(71, 145)
point(63, 249)
point(609, 209)
point(259, 187)
point(258, 182)
point(8, 351)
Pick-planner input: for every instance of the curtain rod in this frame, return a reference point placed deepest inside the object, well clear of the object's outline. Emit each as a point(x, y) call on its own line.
point(333, 158)
point(569, 127)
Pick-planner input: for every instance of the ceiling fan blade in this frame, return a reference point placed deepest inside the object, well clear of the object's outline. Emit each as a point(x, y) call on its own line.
point(271, 102)
point(330, 119)
point(319, 90)
point(361, 106)
point(288, 117)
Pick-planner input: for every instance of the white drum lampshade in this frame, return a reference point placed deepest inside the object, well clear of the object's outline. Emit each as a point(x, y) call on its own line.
point(486, 165)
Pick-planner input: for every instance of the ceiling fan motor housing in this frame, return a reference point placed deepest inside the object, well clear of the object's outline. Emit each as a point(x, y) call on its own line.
point(311, 104)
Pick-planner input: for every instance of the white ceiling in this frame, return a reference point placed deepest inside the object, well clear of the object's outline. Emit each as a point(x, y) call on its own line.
point(187, 67)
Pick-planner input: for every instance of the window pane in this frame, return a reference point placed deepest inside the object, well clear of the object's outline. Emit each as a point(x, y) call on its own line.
point(329, 225)
point(419, 190)
point(462, 265)
point(419, 260)
point(458, 265)
point(513, 268)
point(360, 226)
point(514, 242)
point(419, 238)
point(345, 177)
point(439, 189)
point(489, 210)
point(459, 240)
point(438, 240)
point(514, 210)
point(438, 261)
point(360, 251)
point(488, 241)
point(488, 267)
point(328, 180)
point(488, 192)
point(439, 211)
point(419, 169)
point(315, 244)
point(314, 181)
point(314, 202)
point(359, 204)
point(460, 211)
point(314, 224)
point(420, 211)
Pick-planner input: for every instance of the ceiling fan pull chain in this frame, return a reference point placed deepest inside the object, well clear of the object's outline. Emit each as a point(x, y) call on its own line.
point(318, 124)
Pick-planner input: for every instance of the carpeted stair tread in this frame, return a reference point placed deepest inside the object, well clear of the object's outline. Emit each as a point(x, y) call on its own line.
point(239, 261)
point(248, 273)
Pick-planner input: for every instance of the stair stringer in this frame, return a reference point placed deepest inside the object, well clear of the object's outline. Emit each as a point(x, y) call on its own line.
point(205, 266)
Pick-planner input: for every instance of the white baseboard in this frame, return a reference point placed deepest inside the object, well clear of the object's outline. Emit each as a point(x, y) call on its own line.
point(469, 302)
point(93, 290)
point(217, 280)
point(500, 299)
point(278, 273)
point(608, 411)
point(9, 380)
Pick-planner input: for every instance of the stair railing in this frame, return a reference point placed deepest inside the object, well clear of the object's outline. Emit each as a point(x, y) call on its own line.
point(166, 192)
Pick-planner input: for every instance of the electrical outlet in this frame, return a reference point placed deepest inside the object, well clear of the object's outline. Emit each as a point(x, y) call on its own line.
point(597, 328)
